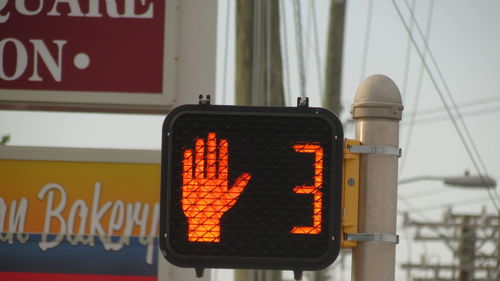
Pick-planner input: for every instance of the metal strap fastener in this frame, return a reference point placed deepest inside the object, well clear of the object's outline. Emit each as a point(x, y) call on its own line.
point(376, 149)
point(373, 237)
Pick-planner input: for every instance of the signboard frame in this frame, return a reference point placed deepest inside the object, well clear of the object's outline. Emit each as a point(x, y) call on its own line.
point(80, 155)
point(200, 262)
point(113, 102)
point(70, 154)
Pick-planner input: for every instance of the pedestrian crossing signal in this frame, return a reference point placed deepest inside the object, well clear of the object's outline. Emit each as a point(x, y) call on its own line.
point(251, 187)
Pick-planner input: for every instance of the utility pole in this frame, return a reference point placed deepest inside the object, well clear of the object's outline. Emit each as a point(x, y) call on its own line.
point(466, 250)
point(259, 74)
point(333, 73)
point(477, 250)
point(244, 51)
point(196, 29)
point(377, 111)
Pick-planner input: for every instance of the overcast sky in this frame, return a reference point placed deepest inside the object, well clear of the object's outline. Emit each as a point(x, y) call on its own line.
point(465, 41)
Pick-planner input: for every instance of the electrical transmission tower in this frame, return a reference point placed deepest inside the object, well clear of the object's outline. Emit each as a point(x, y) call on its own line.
point(474, 241)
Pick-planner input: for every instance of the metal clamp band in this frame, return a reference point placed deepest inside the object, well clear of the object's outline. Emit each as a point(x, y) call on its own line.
point(373, 237)
point(376, 149)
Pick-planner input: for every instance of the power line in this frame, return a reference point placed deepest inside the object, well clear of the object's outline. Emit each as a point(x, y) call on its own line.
point(419, 213)
point(411, 207)
point(454, 204)
point(307, 41)
point(467, 104)
point(409, 245)
point(450, 96)
point(419, 89)
point(465, 114)
point(441, 96)
point(286, 59)
point(300, 51)
point(469, 233)
point(257, 24)
point(316, 43)
point(226, 43)
point(367, 39)
point(268, 52)
point(427, 193)
point(408, 56)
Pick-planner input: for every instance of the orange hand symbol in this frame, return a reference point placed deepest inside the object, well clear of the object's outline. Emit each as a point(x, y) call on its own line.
point(205, 196)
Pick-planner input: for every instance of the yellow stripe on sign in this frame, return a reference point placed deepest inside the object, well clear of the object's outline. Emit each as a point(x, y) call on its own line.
point(79, 197)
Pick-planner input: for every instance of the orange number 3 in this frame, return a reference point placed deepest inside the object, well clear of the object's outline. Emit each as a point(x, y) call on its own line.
point(315, 190)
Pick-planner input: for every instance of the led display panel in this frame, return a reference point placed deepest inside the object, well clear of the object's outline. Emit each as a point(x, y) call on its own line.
point(251, 187)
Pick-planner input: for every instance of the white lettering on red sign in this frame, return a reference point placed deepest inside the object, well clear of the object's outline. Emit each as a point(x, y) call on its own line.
point(40, 51)
point(39, 58)
point(75, 9)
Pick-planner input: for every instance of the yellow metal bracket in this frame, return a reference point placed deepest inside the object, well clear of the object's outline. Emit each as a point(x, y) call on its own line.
point(350, 194)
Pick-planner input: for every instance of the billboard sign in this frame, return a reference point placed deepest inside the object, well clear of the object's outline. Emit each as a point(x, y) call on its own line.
point(78, 214)
point(88, 55)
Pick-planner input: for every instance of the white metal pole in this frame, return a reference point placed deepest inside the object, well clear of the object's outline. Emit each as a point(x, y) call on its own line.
point(197, 50)
point(196, 74)
point(377, 111)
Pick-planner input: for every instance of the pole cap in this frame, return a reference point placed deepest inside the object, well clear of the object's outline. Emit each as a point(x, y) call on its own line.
point(377, 97)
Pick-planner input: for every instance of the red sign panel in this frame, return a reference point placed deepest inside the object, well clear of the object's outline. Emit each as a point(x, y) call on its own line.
point(112, 46)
